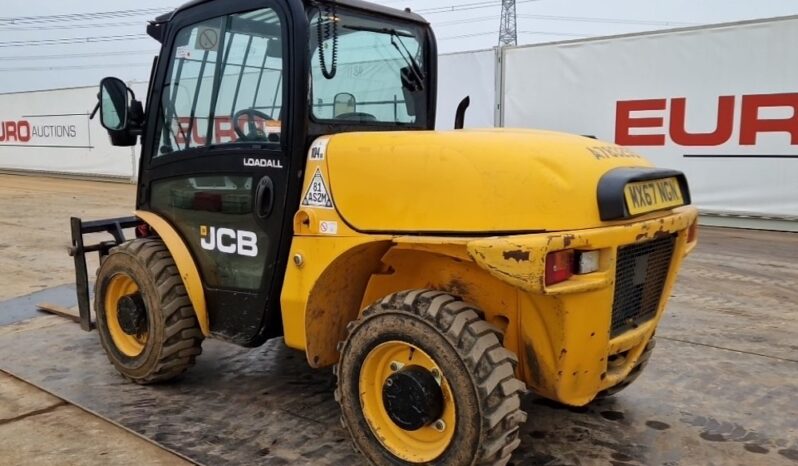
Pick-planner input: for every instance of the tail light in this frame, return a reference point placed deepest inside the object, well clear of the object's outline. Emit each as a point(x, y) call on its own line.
point(559, 266)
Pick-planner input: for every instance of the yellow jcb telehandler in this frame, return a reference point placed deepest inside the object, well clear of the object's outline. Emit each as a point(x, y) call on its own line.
point(291, 185)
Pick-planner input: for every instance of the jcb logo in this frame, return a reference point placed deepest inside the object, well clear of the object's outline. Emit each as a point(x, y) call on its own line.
point(228, 241)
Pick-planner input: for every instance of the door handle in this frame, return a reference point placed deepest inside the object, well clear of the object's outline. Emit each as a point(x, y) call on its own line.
point(264, 197)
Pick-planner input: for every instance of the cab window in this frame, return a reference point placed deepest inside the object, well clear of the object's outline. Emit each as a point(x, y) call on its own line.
point(224, 84)
point(366, 70)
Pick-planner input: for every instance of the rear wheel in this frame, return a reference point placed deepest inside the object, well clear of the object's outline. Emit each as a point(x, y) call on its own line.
point(146, 323)
point(423, 379)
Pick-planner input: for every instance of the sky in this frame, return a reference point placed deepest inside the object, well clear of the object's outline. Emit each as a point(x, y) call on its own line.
point(41, 51)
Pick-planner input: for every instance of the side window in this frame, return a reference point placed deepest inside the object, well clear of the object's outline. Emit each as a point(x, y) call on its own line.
point(224, 83)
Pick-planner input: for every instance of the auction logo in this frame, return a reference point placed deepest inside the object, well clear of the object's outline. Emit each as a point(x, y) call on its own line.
point(22, 131)
point(15, 131)
point(751, 121)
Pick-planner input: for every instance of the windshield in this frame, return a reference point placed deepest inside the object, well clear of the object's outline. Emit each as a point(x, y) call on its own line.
point(368, 70)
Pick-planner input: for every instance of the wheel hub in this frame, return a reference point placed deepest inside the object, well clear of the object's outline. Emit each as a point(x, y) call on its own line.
point(412, 398)
point(132, 314)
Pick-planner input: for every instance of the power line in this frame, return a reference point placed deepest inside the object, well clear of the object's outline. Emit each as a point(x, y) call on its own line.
point(586, 19)
point(79, 16)
point(467, 6)
point(641, 22)
point(487, 33)
point(74, 67)
point(71, 40)
point(76, 55)
point(70, 26)
point(488, 4)
point(551, 33)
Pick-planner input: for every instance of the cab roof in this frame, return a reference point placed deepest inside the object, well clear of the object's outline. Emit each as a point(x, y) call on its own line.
point(356, 4)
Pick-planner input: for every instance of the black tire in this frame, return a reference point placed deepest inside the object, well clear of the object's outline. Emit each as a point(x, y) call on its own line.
point(468, 350)
point(174, 338)
point(633, 374)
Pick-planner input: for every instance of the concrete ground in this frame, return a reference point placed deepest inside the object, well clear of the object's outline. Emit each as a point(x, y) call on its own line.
point(37, 428)
point(34, 220)
point(720, 389)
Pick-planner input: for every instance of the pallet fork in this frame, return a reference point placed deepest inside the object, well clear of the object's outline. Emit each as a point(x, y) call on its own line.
point(115, 227)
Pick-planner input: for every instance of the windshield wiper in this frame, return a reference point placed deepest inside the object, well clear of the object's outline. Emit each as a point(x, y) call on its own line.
point(408, 57)
point(390, 31)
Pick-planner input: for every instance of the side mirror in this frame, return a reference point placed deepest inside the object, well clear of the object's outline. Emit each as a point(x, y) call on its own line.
point(113, 104)
point(344, 103)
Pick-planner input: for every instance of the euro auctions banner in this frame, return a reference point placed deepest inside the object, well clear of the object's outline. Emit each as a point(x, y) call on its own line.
point(50, 131)
point(719, 103)
point(64, 131)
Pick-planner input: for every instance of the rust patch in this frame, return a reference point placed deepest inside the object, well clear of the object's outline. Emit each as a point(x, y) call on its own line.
point(661, 234)
point(456, 287)
point(567, 240)
point(641, 236)
point(516, 255)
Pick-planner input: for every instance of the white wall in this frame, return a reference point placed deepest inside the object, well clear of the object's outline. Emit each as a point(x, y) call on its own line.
point(85, 149)
point(571, 86)
point(467, 74)
point(576, 87)
point(50, 131)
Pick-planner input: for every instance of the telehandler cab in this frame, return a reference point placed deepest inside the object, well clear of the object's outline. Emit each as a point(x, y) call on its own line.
point(291, 184)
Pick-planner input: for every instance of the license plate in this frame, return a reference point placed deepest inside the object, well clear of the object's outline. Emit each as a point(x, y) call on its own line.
point(648, 196)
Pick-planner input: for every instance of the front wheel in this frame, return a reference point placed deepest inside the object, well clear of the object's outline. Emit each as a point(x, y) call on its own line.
point(423, 379)
point(146, 322)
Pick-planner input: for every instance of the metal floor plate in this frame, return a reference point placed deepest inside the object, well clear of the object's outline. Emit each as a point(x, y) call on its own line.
point(721, 387)
point(694, 405)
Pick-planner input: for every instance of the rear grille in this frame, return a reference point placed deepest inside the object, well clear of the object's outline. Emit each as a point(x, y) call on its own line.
point(639, 279)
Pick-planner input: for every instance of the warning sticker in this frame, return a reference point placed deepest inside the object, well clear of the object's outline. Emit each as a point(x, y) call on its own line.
point(317, 195)
point(328, 228)
point(318, 149)
point(183, 52)
point(207, 38)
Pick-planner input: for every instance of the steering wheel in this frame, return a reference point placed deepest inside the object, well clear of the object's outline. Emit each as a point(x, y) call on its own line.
point(253, 132)
point(356, 116)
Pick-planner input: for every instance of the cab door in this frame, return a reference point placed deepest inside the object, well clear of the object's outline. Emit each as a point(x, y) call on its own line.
point(216, 157)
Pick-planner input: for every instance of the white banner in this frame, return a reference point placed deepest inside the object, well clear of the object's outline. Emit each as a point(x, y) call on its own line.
point(50, 131)
point(719, 103)
point(464, 74)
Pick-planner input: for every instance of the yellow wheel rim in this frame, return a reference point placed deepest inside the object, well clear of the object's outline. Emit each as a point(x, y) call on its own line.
point(129, 345)
point(419, 446)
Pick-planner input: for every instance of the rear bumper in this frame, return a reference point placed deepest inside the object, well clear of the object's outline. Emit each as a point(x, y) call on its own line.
point(566, 351)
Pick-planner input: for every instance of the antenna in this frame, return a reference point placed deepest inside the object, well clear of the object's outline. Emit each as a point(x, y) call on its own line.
point(508, 33)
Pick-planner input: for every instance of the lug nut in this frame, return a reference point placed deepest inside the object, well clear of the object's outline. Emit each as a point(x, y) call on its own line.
point(395, 366)
point(299, 260)
point(439, 425)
